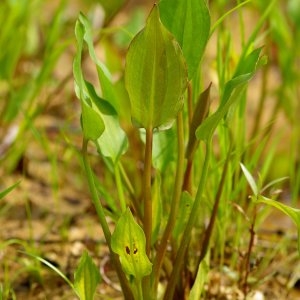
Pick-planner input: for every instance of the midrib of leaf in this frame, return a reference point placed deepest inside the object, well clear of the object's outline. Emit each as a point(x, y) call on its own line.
point(153, 79)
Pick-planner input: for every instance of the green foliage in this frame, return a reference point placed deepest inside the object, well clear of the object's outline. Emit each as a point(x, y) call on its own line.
point(293, 213)
point(23, 39)
point(189, 22)
point(172, 196)
point(86, 278)
point(172, 190)
point(99, 119)
point(8, 190)
point(162, 60)
point(155, 75)
point(128, 241)
point(233, 87)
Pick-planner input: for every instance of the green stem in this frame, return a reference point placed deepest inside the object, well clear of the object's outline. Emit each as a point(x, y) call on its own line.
point(120, 187)
point(139, 290)
point(100, 213)
point(175, 201)
point(147, 220)
point(190, 102)
point(188, 229)
point(209, 230)
point(147, 190)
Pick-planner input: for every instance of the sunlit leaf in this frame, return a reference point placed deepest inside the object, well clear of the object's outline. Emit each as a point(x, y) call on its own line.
point(189, 22)
point(86, 277)
point(155, 75)
point(201, 278)
point(250, 180)
point(293, 213)
point(129, 242)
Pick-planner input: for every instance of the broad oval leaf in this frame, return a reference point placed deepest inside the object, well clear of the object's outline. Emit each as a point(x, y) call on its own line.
point(155, 75)
point(129, 242)
point(189, 22)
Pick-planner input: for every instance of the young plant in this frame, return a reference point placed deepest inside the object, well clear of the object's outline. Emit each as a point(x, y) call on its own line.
point(170, 110)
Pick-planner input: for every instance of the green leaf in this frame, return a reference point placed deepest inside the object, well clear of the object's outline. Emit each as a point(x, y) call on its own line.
point(52, 267)
point(250, 180)
point(164, 148)
point(293, 213)
point(91, 121)
point(8, 190)
point(155, 75)
point(189, 22)
point(201, 278)
point(104, 76)
point(184, 211)
point(86, 277)
point(245, 71)
point(129, 242)
point(113, 141)
point(99, 119)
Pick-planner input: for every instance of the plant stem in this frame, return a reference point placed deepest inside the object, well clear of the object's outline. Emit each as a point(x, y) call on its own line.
point(188, 229)
point(147, 190)
point(248, 255)
point(213, 217)
point(120, 187)
point(93, 190)
point(190, 102)
point(147, 220)
point(175, 202)
point(100, 213)
point(136, 205)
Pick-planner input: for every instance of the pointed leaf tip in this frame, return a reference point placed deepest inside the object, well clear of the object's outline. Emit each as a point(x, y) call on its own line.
point(129, 242)
point(86, 277)
point(155, 74)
